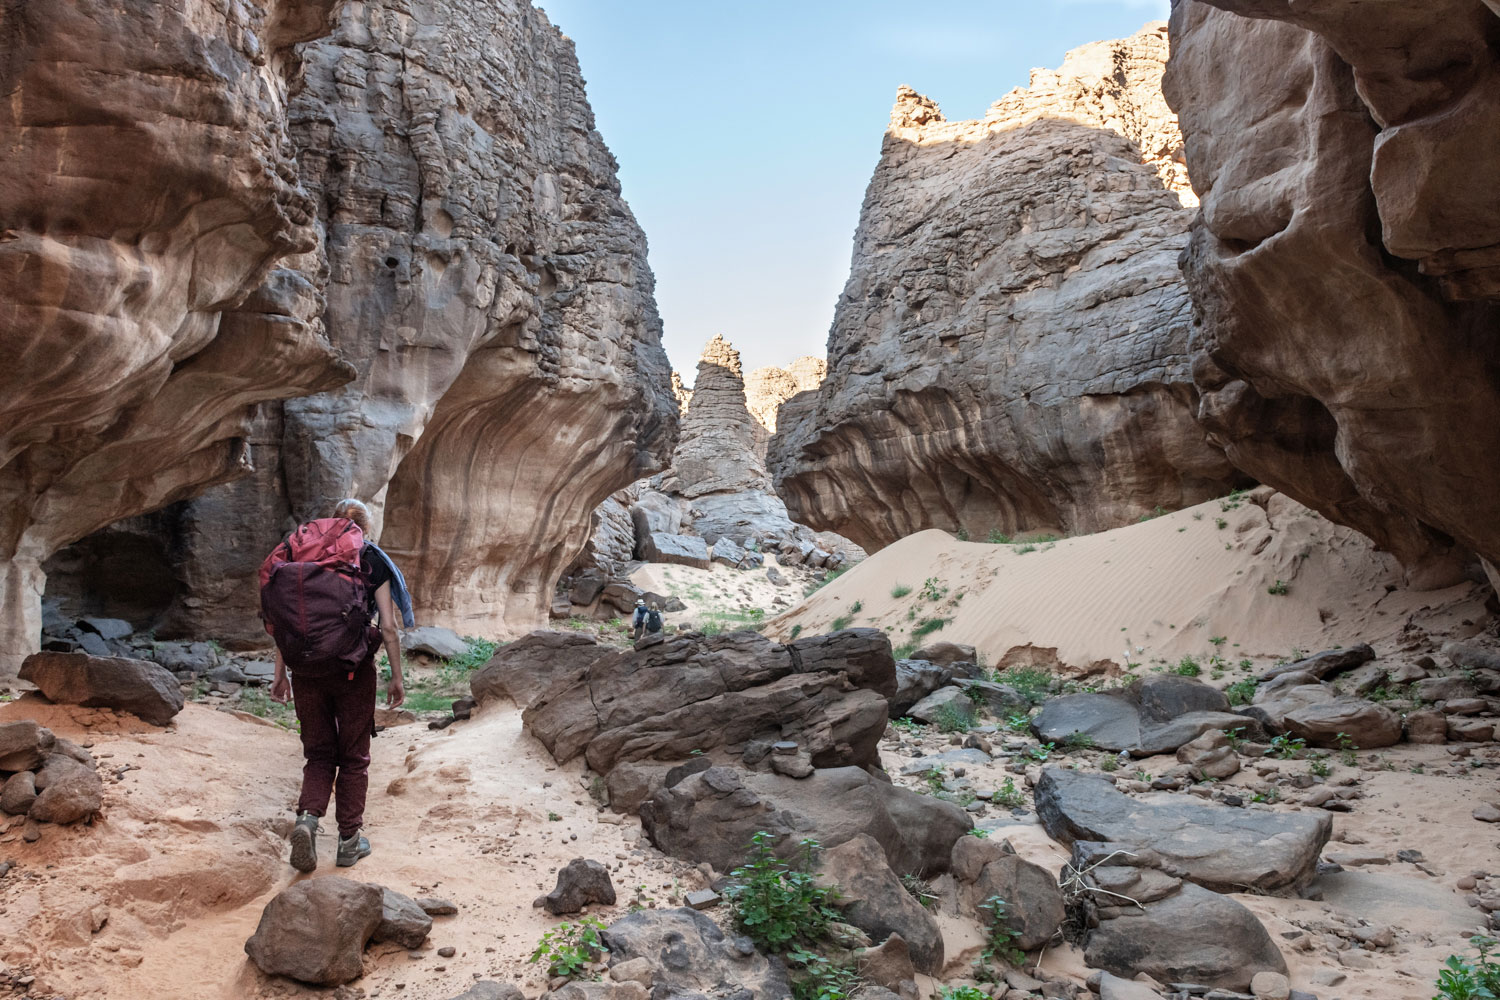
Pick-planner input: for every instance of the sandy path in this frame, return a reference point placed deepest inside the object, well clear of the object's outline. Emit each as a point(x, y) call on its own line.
point(191, 847)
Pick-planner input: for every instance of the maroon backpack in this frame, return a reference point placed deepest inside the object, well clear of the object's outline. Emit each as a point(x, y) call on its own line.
point(314, 599)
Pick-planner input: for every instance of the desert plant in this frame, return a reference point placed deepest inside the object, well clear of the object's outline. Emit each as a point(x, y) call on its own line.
point(908, 725)
point(778, 904)
point(904, 651)
point(1000, 938)
point(962, 534)
point(568, 948)
point(1040, 752)
point(856, 607)
point(919, 890)
point(1286, 747)
point(1279, 589)
point(998, 537)
point(951, 720)
point(962, 993)
point(1018, 723)
point(1022, 550)
point(1187, 667)
point(796, 631)
point(1241, 691)
point(1032, 682)
point(900, 590)
point(817, 977)
point(1008, 795)
point(1109, 763)
point(1346, 748)
point(1471, 979)
point(1079, 741)
point(932, 590)
point(1320, 767)
point(840, 623)
point(928, 626)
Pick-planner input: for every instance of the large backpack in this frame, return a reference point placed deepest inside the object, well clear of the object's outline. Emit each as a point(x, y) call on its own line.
point(314, 599)
point(653, 620)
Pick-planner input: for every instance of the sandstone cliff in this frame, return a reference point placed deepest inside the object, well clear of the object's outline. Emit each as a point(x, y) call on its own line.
point(487, 280)
point(149, 192)
point(1346, 265)
point(768, 387)
point(1010, 351)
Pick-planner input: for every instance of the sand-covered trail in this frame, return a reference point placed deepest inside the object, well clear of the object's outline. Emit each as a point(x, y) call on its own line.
point(1157, 590)
point(157, 898)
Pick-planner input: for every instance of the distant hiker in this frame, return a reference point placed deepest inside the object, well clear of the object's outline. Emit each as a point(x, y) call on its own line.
point(653, 619)
point(319, 590)
point(638, 620)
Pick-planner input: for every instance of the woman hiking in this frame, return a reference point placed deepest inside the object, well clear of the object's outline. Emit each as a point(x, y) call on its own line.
point(319, 591)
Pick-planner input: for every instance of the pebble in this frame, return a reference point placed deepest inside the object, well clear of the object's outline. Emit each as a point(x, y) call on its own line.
point(447, 951)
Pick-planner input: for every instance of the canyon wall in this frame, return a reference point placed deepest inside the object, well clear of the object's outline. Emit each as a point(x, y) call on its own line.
point(1011, 349)
point(767, 387)
point(1345, 269)
point(489, 285)
point(149, 290)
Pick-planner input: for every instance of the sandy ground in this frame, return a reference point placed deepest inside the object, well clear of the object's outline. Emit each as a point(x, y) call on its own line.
point(724, 596)
point(1398, 810)
point(1150, 592)
point(157, 898)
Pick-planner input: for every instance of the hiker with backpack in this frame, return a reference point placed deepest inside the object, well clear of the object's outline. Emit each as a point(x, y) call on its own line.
point(319, 591)
point(653, 619)
point(638, 620)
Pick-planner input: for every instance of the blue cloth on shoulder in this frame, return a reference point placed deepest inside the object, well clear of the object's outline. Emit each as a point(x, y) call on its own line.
point(400, 596)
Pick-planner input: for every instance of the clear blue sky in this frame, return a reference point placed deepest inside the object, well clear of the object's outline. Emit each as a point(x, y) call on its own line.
point(747, 132)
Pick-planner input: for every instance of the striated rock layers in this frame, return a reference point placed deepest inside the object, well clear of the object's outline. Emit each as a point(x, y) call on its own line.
point(1345, 269)
point(1010, 351)
point(149, 193)
point(489, 283)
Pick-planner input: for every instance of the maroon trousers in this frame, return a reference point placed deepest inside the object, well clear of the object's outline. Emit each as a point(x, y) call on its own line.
point(337, 717)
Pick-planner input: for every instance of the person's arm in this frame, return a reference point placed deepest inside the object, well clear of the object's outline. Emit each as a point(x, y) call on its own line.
point(395, 689)
point(281, 684)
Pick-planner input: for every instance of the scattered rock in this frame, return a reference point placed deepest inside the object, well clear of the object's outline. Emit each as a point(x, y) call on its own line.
point(1426, 725)
point(946, 654)
point(1222, 848)
point(873, 899)
point(1364, 722)
point(915, 680)
point(1000, 700)
point(402, 920)
point(579, 883)
point(689, 953)
point(137, 686)
point(1321, 666)
point(434, 906)
point(680, 550)
point(1210, 755)
point(69, 792)
point(24, 745)
point(18, 793)
point(315, 930)
point(1270, 986)
point(1033, 902)
point(486, 990)
point(1154, 715)
point(1487, 812)
point(107, 628)
point(442, 643)
point(944, 704)
point(711, 816)
point(1114, 988)
point(523, 669)
point(702, 899)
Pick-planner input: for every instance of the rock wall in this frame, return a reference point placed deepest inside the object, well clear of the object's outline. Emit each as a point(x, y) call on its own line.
point(1010, 351)
point(1346, 264)
point(488, 282)
point(768, 387)
point(153, 214)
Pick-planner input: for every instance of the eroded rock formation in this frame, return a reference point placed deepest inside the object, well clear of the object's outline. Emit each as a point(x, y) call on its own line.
point(489, 283)
point(768, 387)
point(1346, 265)
point(1010, 351)
point(149, 192)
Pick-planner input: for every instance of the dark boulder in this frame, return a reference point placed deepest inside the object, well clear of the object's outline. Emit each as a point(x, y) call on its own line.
point(579, 883)
point(873, 899)
point(24, 745)
point(1219, 847)
point(315, 930)
point(402, 920)
point(690, 955)
point(140, 687)
point(67, 792)
point(523, 669)
point(1329, 663)
point(915, 680)
point(1154, 715)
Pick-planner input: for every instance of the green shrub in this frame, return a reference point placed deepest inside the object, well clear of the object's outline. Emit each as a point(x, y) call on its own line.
point(998, 537)
point(856, 607)
point(776, 904)
point(1470, 979)
point(932, 590)
point(1287, 747)
point(962, 993)
point(1109, 763)
point(1079, 741)
point(928, 626)
point(1018, 723)
point(1008, 795)
point(900, 590)
point(962, 534)
point(568, 948)
point(908, 725)
point(1241, 691)
point(919, 890)
point(1032, 682)
point(1346, 748)
point(476, 656)
point(1187, 667)
point(796, 631)
point(815, 977)
point(904, 651)
point(951, 720)
point(1320, 767)
point(1000, 939)
point(1279, 589)
point(1040, 752)
point(840, 623)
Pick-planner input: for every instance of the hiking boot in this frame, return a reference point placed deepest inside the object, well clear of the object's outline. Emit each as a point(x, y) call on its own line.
point(305, 843)
point(351, 849)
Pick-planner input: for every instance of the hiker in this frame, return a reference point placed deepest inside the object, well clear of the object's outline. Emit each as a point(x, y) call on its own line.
point(319, 591)
point(653, 619)
point(638, 620)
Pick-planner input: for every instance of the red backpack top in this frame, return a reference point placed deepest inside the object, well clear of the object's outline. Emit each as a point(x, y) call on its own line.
point(314, 598)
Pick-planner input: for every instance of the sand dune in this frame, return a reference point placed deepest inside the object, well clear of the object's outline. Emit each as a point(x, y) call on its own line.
point(1156, 590)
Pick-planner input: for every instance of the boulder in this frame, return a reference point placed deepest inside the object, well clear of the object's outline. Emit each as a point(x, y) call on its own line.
point(442, 643)
point(888, 965)
point(523, 669)
point(140, 687)
point(315, 930)
point(1210, 755)
point(68, 792)
point(107, 628)
point(1154, 715)
point(185, 657)
point(487, 990)
point(579, 883)
point(944, 705)
point(1219, 847)
point(1322, 666)
point(1033, 902)
point(915, 680)
point(24, 745)
point(711, 816)
point(945, 654)
point(1364, 722)
point(1433, 689)
point(873, 899)
point(680, 550)
point(664, 701)
point(1114, 988)
point(1426, 725)
point(1000, 700)
point(1289, 693)
point(1192, 935)
point(726, 551)
point(18, 793)
point(690, 955)
point(402, 920)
